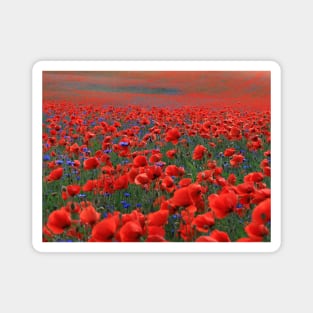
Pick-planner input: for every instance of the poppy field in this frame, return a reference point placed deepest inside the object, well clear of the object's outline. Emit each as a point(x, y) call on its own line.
point(156, 173)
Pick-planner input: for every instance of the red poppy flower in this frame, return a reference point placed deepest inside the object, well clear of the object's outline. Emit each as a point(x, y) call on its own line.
point(186, 232)
point(155, 157)
point(55, 175)
point(267, 171)
point(153, 172)
point(73, 190)
point(204, 221)
point(222, 204)
point(173, 170)
point(187, 195)
point(58, 221)
point(142, 179)
point(140, 161)
point(89, 215)
point(199, 152)
point(89, 185)
point(205, 239)
point(158, 218)
point(260, 195)
point(229, 152)
point(185, 182)
point(256, 231)
point(76, 163)
point(91, 163)
point(105, 230)
point(168, 184)
point(254, 177)
point(156, 231)
point(220, 236)
point(75, 148)
point(236, 160)
point(173, 135)
point(232, 179)
point(121, 182)
point(130, 232)
point(262, 212)
point(171, 153)
point(235, 133)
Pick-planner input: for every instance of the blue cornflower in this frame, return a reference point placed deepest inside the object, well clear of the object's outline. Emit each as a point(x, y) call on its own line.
point(126, 205)
point(104, 215)
point(82, 195)
point(59, 162)
point(85, 149)
point(124, 143)
point(138, 205)
point(160, 164)
point(65, 240)
point(126, 194)
point(107, 151)
point(69, 162)
point(46, 157)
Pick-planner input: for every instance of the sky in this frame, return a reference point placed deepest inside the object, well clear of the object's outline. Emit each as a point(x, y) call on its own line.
point(244, 88)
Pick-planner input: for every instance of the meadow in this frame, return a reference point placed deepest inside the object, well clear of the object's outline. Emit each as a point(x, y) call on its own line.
point(155, 174)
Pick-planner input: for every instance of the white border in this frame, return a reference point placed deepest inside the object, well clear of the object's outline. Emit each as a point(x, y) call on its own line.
point(41, 66)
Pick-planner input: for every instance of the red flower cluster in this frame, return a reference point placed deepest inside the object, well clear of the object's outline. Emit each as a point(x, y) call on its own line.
point(132, 174)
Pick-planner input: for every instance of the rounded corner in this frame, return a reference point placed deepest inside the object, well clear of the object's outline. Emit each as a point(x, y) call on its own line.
point(276, 247)
point(275, 65)
point(37, 65)
point(36, 247)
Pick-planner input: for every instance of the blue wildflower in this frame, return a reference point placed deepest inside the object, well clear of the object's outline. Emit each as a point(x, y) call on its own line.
point(82, 195)
point(46, 157)
point(160, 164)
point(126, 194)
point(126, 205)
point(59, 162)
point(138, 205)
point(124, 143)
